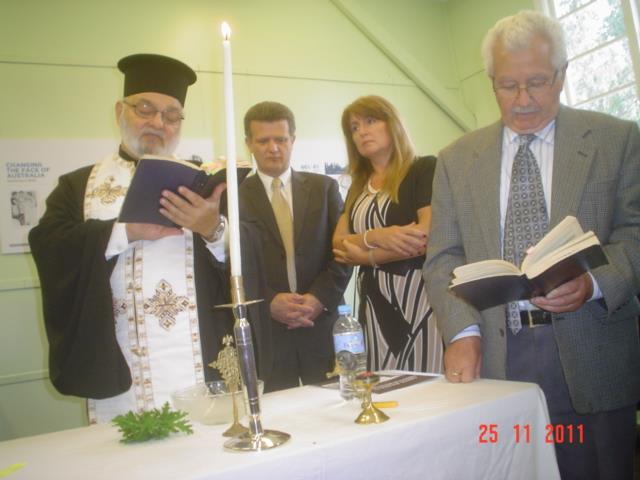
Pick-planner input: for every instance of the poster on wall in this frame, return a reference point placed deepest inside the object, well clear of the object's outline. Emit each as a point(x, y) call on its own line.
point(30, 171)
point(327, 157)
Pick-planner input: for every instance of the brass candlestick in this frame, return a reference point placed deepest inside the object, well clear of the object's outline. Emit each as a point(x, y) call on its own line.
point(227, 365)
point(364, 383)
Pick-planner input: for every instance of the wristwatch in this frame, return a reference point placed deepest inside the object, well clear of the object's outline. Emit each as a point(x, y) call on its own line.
point(219, 231)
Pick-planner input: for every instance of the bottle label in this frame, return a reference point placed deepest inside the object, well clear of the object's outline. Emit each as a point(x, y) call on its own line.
point(351, 342)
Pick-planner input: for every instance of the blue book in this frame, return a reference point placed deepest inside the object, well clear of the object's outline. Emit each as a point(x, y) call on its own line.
point(155, 174)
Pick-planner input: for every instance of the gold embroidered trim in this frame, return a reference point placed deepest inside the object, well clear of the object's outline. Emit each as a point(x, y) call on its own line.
point(106, 192)
point(119, 307)
point(142, 377)
point(165, 304)
point(193, 310)
point(88, 211)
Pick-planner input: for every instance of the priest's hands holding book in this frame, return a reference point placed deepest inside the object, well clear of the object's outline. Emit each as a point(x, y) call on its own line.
point(188, 210)
point(167, 194)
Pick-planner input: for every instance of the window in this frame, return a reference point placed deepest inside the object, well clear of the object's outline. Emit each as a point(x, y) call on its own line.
point(604, 62)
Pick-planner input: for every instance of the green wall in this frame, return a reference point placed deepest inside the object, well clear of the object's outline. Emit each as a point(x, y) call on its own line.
point(470, 20)
point(58, 80)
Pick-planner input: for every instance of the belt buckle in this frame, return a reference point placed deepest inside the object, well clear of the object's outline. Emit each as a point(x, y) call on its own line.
point(530, 319)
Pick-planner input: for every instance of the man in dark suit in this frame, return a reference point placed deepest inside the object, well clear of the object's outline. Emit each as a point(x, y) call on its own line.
point(297, 212)
point(580, 341)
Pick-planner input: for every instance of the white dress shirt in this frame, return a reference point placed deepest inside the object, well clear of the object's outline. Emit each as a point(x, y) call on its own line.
point(285, 185)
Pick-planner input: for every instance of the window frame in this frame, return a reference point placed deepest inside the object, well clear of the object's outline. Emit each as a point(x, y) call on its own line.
point(632, 30)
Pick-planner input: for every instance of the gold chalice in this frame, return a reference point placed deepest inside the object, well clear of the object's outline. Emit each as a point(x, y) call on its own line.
point(363, 383)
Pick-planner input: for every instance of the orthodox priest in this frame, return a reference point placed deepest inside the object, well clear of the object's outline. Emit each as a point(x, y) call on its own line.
point(128, 308)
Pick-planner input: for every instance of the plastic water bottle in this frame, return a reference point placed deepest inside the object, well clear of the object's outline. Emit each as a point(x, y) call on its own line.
point(351, 356)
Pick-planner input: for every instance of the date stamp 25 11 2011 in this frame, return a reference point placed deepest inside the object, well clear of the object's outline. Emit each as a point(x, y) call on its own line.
point(489, 433)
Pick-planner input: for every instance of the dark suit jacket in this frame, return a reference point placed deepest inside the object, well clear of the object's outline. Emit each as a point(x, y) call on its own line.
point(596, 178)
point(317, 206)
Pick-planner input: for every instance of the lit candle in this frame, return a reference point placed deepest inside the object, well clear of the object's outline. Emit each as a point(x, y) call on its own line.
point(232, 174)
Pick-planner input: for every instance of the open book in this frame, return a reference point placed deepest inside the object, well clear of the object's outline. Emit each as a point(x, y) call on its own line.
point(564, 253)
point(155, 174)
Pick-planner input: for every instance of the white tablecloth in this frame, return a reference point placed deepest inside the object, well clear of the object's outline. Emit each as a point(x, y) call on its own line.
point(434, 433)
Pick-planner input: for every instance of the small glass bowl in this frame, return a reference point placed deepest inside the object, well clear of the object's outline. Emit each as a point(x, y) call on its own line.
point(211, 403)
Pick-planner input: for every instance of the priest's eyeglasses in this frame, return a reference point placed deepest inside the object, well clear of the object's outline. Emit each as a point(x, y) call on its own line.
point(146, 109)
point(535, 87)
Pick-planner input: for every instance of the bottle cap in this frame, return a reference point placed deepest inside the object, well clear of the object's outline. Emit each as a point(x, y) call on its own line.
point(344, 309)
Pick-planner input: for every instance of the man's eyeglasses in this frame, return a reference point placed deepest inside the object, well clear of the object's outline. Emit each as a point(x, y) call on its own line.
point(535, 87)
point(146, 109)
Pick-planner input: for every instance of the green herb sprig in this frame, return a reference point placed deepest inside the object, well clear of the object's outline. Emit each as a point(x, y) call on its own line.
point(140, 427)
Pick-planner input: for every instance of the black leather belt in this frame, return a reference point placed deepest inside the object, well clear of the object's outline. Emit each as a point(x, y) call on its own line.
point(534, 318)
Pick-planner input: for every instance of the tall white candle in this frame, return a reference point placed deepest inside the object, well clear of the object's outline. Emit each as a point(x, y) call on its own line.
point(232, 174)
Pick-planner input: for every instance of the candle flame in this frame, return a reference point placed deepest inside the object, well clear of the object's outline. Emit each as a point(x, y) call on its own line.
point(226, 31)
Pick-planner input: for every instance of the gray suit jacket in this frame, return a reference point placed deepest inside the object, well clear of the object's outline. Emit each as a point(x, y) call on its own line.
point(596, 178)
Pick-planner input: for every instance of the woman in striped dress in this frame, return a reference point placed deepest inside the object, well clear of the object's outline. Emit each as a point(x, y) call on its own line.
point(384, 229)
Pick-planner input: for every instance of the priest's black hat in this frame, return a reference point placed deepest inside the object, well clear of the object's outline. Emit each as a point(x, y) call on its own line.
point(147, 72)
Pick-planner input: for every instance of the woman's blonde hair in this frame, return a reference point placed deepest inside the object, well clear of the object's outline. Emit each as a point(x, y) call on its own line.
point(402, 154)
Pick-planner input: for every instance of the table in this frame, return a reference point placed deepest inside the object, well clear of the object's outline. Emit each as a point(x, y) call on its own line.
point(438, 431)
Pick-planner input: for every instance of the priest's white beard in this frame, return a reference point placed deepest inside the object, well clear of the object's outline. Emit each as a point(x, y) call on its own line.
point(140, 148)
